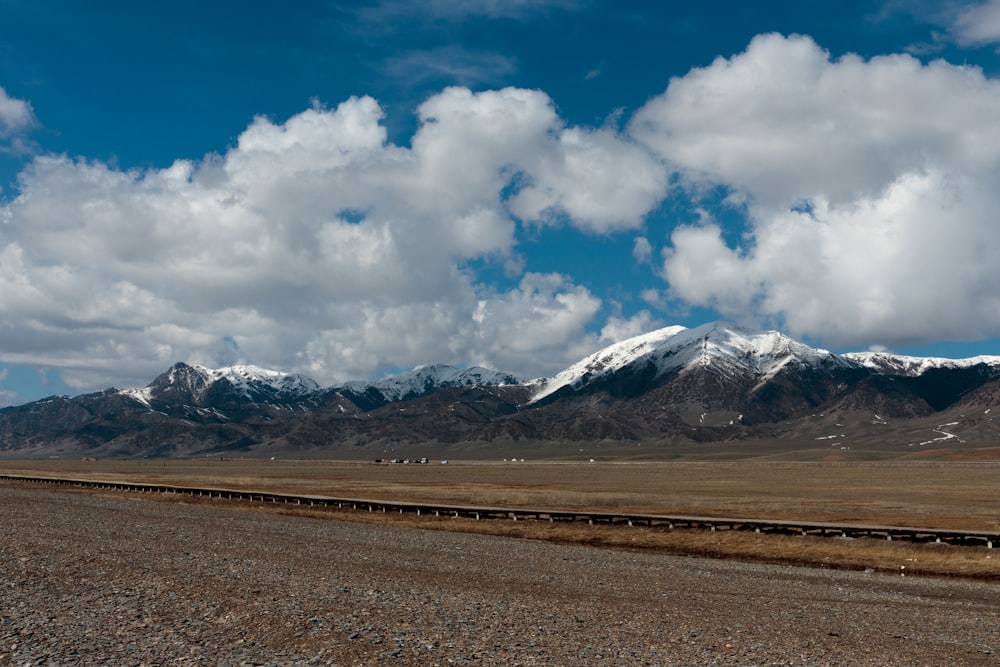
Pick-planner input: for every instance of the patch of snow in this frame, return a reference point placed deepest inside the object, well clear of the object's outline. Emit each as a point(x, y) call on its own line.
point(141, 395)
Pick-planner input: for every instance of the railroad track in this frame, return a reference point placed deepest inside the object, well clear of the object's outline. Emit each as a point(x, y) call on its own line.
point(670, 522)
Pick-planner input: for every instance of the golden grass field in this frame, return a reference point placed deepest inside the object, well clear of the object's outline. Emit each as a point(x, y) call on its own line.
point(938, 494)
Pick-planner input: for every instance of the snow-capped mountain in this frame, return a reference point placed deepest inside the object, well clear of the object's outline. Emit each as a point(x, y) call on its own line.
point(251, 379)
point(939, 382)
point(197, 385)
point(896, 364)
point(420, 381)
point(241, 392)
point(721, 348)
point(717, 383)
point(604, 362)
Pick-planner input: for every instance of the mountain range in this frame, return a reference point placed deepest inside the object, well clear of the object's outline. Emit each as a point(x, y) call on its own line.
point(715, 389)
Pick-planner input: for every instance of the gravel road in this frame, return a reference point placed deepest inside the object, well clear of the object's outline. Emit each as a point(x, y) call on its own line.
point(90, 580)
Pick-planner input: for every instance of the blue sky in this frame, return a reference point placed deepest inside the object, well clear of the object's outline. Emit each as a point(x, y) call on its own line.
point(351, 189)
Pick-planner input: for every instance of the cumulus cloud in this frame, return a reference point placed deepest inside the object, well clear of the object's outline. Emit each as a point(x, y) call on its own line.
point(617, 329)
point(15, 115)
point(599, 181)
point(654, 298)
point(868, 186)
point(545, 316)
point(16, 119)
point(314, 245)
point(642, 250)
point(978, 24)
point(783, 122)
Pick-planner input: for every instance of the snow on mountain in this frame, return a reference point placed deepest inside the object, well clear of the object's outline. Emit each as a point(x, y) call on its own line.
point(604, 362)
point(249, 381)
point(720, 347)
point(143, 395)
point(423, 379)
point(896, 364)
point(196, 384)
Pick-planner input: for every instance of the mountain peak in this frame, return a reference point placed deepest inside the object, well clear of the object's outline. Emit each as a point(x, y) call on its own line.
point(720, 347)
point(250, 379)
point(422, 380)
point(712, 383)
point(605, 361)
point(191, 383)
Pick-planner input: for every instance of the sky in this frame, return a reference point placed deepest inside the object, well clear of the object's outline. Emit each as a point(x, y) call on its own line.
point(352, 189)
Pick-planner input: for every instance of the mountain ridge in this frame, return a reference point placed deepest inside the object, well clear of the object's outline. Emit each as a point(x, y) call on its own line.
point(719, 346)
point(714, 383)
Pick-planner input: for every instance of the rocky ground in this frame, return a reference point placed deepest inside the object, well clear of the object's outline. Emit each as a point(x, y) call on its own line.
point(90, 580)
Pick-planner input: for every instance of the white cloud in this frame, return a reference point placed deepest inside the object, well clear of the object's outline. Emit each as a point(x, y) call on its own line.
point(702, 269)
point(314, 245)
point(535, 328)
point(545, 320)
point(784, 123)
point(542, 320)
point(450, 63)
point(869, 186)
point(978, 24)
point(617, 329)
point(600, 181)
point(16, 119)
point(905, 266)
point(654, 298)
point(642, 250)
point(15, 115)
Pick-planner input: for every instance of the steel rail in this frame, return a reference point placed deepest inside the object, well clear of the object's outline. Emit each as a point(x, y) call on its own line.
point(670, 522)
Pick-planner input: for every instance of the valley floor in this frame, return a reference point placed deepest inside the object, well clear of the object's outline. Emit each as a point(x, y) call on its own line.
point(94, 580)
point(926, 494)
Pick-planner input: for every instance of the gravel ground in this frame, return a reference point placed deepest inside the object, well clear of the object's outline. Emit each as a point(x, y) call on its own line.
point(90, 580)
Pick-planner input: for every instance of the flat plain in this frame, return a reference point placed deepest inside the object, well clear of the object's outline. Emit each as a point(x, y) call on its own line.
point(952, 494)
point(91, 579)
point(962, 494)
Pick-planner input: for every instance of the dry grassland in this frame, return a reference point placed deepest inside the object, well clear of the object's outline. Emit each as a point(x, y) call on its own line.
point(951, 495)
